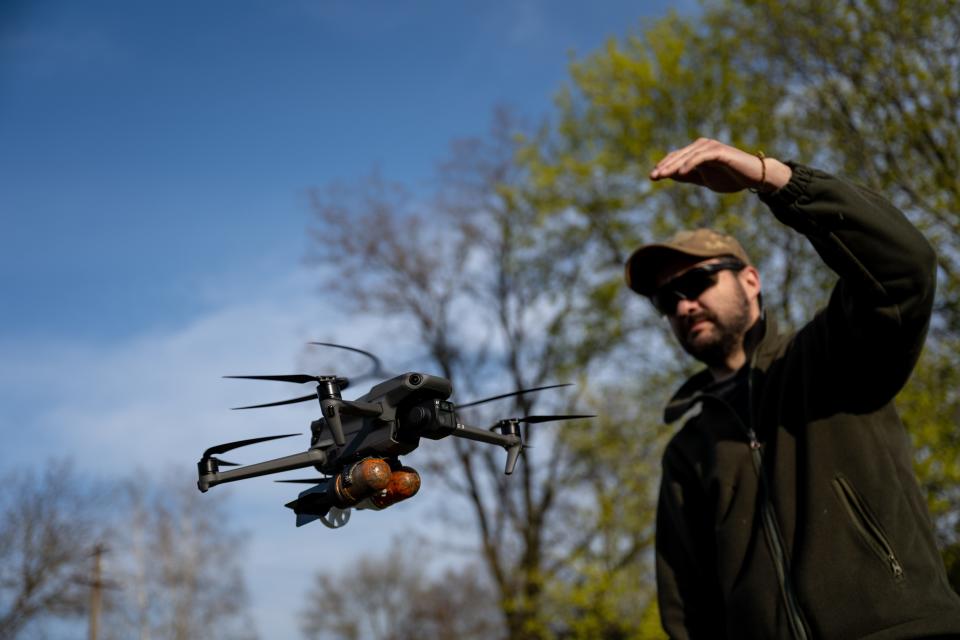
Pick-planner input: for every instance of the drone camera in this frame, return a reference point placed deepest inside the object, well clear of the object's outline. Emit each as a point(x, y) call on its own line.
point(432, 419)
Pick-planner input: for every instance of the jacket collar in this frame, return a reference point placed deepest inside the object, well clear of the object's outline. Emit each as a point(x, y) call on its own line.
point(759, 341)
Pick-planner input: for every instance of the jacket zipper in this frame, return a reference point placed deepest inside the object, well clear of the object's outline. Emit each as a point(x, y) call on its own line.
point(777, 547)
point(771, 528)
point(867, 525)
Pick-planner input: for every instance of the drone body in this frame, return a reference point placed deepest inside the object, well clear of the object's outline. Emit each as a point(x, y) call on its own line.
point(356, 444)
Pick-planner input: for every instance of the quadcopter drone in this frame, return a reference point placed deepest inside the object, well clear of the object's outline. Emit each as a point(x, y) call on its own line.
point(356, 444)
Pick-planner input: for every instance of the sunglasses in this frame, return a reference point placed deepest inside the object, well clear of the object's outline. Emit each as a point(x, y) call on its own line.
point(690, 284)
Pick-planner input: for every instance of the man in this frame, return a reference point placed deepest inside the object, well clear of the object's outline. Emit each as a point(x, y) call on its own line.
point(788, 506)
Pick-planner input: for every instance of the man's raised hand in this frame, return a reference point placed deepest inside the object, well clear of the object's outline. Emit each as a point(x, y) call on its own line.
point(721, 168)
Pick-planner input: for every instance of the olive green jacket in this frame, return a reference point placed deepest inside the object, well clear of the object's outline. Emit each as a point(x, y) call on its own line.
point(803, 518)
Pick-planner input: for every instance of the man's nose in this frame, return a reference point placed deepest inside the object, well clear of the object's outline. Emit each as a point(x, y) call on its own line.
point(686, 307)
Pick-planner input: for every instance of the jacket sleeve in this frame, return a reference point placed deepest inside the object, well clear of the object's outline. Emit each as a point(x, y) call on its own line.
point(687, 592)
point(875, 323)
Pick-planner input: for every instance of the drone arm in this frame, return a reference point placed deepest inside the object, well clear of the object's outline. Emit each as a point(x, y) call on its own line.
point(485, 435)
point(510, 441)
point(357, 408)
point(333, 406)
point(287, 463)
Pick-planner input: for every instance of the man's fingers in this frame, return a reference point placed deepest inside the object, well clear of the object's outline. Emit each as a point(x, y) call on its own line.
point(670, 161)
point(683, 161)
point(721, 167)
point(670, 165)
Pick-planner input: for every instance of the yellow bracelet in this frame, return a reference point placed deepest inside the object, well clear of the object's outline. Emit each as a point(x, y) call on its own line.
point(763, 172)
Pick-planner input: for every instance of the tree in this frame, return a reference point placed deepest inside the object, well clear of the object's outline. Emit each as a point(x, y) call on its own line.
point(171, 568)
point(50, 524)
point(177, 565)
point(627, 105)
point(394, 597)
point(877, 84)
point(516, 271)
point(868, 88)
point(492, 296)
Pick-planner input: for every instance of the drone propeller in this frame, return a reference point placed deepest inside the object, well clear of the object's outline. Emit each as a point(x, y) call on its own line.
point(553, 418)
point(312, 396)
point(229, 446)
point(208, 464)
point(298, 378)
point(513, 393)
point(544, 418)
point(376, 372)
point(510, 426)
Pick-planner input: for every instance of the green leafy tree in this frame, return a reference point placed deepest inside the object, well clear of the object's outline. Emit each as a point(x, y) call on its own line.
point(930, 407)
point(628, 104)
point(868, 89)
point(877, 84)
point(607, 585)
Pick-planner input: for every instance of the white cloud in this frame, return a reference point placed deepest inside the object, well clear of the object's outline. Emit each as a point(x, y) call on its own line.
point(156, 401)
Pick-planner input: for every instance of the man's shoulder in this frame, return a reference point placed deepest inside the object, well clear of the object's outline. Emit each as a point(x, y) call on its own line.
point(687, 396)
point(776, 342)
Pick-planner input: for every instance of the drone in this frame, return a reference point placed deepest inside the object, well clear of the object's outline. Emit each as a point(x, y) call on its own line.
point(356, 444)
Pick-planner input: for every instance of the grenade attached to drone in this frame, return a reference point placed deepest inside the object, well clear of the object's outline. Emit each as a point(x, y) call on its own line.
point(371, 483)
point(359, 481)
point(404, 483)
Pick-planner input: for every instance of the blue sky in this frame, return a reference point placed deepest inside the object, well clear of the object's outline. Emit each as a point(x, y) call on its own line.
point(154, 165)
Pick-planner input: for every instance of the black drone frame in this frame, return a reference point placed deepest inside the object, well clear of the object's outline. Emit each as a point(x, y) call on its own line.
point(386, 422)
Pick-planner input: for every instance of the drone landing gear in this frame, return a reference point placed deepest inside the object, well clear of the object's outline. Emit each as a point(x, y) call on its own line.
point(336, 518)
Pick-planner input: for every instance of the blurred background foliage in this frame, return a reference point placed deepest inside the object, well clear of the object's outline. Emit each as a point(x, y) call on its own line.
point(513, 273)
point(864, 89)
point(544, 217)
point(125, 559)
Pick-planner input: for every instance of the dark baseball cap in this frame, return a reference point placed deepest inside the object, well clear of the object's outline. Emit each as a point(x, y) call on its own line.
point(644, 263)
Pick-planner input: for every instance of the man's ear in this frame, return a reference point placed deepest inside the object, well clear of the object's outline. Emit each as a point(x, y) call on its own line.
point(750, 279)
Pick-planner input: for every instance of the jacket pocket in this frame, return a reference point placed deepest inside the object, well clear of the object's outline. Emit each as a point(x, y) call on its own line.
point(867, 525)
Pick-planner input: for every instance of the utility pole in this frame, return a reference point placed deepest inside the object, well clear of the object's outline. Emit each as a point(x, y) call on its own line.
point(97, 584)
point(96, 592)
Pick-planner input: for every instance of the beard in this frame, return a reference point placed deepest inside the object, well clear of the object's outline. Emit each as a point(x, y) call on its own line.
point(714, 344)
